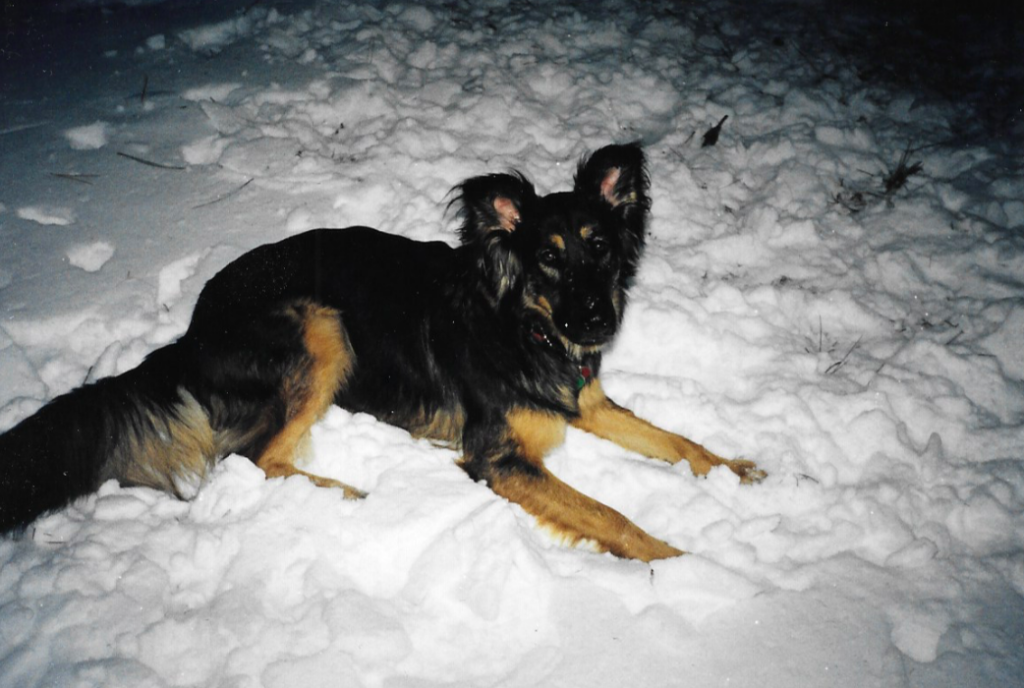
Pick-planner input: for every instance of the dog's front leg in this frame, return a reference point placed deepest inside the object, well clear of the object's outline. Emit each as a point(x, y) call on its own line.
point(603, 417)
point(511, 460)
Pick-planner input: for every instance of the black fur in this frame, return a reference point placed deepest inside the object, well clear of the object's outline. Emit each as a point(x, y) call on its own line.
point(444, 341)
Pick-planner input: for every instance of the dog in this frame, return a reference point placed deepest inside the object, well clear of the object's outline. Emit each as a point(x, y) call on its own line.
point(493, 346)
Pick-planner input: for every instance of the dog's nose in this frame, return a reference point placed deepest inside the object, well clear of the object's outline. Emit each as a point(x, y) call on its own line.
point(596, 318)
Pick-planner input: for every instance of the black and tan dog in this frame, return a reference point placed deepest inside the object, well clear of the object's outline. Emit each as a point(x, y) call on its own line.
point(493, 346)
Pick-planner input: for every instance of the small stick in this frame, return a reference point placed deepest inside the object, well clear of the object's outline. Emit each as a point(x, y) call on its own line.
point(23, 127)
point(150, 162)
point(223, 196)
point(839, 364)
point(80, 178)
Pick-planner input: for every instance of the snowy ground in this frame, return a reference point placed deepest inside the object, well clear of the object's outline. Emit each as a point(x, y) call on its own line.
point(862, 343)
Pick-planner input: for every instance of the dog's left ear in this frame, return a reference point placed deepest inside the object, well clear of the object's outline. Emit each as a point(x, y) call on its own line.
point(616, 176)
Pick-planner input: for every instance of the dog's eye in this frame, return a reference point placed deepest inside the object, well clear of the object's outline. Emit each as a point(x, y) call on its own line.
point(548, 256)
point(599, 246)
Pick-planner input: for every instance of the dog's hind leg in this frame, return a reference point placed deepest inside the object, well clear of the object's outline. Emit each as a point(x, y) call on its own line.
point(514, 468)
point(603, 417)
point(307, 391)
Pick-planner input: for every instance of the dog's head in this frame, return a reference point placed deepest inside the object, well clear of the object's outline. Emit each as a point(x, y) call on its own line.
point(563, 261)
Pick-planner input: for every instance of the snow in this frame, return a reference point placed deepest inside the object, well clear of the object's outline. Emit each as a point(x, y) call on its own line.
point(47, 215)
point(88, 137)
point(864, 345)
point(90, 257)
point(156, 42)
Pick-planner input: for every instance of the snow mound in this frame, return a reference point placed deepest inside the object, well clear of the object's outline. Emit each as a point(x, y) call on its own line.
point(89, 136)
point(47, 214)
point(90, 257)
point(212, 38)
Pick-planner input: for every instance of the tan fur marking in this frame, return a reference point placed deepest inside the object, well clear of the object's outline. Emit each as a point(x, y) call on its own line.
point(572, 515)
point(544, 306)
point(175, 453)
point(443, 427)
point(586, 231)
point(536, 432)
point(603, 417)
point(309, 393)
point(558, 241)
point(567, 512)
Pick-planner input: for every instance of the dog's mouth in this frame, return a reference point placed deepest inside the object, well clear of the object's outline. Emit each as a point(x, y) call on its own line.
point(576, 338)
point(543, 332)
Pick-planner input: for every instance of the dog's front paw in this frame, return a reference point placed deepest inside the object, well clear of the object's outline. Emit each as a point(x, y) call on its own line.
point(348, 491)
point(353, 492)
point(748, 471)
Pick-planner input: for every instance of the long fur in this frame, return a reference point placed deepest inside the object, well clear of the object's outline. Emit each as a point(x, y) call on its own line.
point(102, 431)
point(493, 346)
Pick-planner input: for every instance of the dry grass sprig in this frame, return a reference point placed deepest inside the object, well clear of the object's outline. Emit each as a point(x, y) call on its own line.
point(904, 170)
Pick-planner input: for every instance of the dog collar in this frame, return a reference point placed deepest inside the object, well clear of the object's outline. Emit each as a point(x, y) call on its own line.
point(585, 374)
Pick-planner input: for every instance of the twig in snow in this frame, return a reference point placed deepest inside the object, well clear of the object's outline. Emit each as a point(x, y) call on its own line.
point(145, 88)
point(223, 196)
point(80, 178)
point(839, 364)
point(23, 127)
point(821, 342)
point(150, 162)
point(711, 135)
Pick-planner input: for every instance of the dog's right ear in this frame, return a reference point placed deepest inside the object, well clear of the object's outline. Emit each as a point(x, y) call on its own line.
point(491, 208)
point(490, 203)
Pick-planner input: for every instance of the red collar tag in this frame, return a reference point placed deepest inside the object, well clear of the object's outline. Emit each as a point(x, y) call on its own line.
point(584, 377)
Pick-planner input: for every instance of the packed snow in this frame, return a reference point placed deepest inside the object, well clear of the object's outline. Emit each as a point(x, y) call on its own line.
point(834, 288)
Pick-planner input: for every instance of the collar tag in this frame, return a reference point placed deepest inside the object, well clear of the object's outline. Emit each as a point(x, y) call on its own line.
point(584, 377)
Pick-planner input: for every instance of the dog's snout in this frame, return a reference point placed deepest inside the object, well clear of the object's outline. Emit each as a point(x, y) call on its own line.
point(592, 319)
point(595, 316)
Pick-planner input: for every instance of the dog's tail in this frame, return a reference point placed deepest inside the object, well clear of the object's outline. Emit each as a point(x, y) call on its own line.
point(142, 428)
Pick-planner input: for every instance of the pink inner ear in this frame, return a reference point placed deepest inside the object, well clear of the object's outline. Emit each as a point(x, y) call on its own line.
point(508, 213)
point(611, 178)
